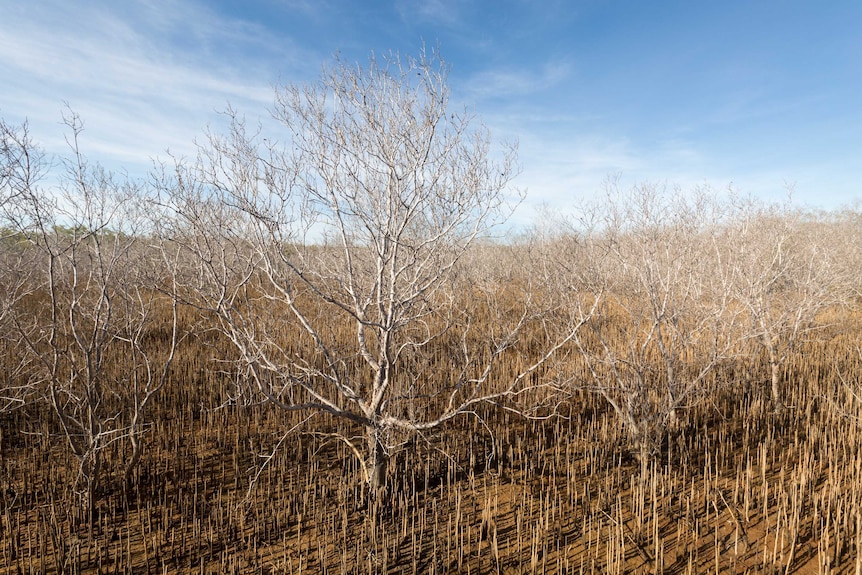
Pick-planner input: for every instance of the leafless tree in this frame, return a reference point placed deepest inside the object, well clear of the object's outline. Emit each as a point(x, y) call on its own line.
point(16, 380)
point(840, 233)
point(146, 334)
point(334, 266)
point(20, 163)
point(83, 332)
point(784, 274)
point(666, 321)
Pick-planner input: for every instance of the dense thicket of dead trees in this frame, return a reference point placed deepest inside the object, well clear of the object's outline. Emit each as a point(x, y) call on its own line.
point(83, 295)
point(354, 271)
point(695, 285)
point(785, 270)
point(666, 317)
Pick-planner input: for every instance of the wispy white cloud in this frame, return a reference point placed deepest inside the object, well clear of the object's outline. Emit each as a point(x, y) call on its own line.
point(507, 83)
point(144, 77)
point(561, 171)
point(445, 12)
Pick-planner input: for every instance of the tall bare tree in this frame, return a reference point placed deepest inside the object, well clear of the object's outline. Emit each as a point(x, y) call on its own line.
point(20, 165)
point(333, 265)
point(784, 274)
point(666, 321)
point(145, 336)
point(84, 329)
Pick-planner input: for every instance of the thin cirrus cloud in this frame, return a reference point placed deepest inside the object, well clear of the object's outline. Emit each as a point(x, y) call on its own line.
point(445, 12)
point(137, 91)
point(674, 92)
point(506, 83)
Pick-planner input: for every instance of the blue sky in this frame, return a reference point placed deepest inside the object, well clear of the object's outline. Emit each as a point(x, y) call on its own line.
point(760, 94)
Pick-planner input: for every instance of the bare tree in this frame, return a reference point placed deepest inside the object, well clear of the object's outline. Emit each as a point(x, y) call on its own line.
point(146, 334)
point(83, 334)
point(666, 321)
point(20, 165)
point(784, 274)
point(333, 266)
point(17, 384)
point(845, 246)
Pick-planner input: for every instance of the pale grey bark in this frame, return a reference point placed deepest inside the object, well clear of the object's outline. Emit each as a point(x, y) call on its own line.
point(82, 335)
point(666, 322)
point(364, 215)
point(784, 273)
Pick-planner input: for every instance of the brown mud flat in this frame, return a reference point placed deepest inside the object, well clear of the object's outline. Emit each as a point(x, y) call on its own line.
point(735, 489)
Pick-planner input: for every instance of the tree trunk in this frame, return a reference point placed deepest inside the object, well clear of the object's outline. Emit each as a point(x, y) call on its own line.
point(90, 467)
point(378, 459)
point(129, 469)
point(645, 443)
point(775, 373)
